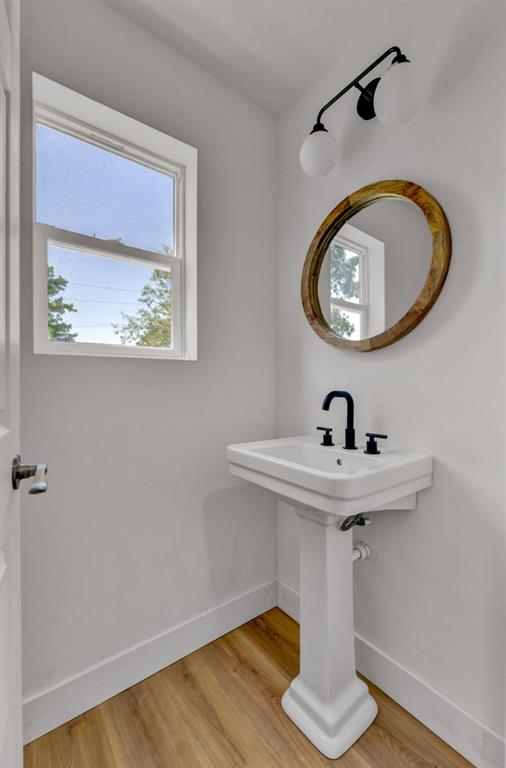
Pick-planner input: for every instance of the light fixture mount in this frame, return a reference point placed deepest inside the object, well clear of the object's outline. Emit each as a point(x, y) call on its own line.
point(365, 103)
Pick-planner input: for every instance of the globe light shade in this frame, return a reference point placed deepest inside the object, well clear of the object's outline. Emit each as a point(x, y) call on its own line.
point(319, 154)
point(398, 96)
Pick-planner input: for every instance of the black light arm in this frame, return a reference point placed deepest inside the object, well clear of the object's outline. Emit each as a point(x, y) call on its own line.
point(399, 57)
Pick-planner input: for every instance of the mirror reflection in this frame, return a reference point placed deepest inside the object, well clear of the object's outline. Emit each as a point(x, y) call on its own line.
point(375, 268)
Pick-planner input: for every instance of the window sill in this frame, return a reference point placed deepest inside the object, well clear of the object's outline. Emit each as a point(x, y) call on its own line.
point(79, 349)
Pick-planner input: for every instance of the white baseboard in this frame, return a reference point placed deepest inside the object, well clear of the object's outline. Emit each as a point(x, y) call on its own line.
point(288, 601)
point(478, 743)
point(49, 708)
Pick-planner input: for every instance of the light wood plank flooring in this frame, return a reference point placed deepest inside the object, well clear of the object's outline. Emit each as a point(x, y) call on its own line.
point(220, 708)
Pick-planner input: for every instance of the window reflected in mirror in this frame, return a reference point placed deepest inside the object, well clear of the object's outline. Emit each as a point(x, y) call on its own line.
point(374, 269)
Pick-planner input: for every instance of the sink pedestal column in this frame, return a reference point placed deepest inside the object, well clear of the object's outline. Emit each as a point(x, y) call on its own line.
point(327, 701)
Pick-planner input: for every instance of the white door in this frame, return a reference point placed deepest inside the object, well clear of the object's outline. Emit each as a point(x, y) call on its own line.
point(10, 638)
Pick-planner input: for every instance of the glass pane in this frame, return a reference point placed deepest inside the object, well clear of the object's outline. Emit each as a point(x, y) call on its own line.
point(103, 300)
point(86, 189)
point(344, 273)
point(345, 323)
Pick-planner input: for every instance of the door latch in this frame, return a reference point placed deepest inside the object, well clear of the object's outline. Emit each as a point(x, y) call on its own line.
point(22, 471)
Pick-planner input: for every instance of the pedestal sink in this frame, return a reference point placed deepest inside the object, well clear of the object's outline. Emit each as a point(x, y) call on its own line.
point(327, 701)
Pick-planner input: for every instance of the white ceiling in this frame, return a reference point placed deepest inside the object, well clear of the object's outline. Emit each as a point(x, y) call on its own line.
point(270, 50)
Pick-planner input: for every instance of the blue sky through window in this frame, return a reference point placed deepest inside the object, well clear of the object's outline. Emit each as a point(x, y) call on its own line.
point(116, 288)
point(86, 189)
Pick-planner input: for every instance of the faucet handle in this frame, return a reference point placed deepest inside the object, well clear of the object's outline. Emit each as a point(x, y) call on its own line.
point(372, 445)
point(327, 437)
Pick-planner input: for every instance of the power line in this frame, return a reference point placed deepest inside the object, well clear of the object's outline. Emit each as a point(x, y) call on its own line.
point(101, 301)
point(104, 287)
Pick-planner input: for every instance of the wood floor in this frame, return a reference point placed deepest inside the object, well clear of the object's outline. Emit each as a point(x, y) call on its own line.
point(220, 708)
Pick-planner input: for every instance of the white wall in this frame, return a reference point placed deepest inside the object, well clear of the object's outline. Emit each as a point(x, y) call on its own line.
point(432, 597)
point(142, 527)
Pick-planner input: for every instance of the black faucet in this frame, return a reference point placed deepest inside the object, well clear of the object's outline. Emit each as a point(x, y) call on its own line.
point(349, 432)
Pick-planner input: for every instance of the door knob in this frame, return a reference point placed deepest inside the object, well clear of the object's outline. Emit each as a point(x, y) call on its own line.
point(22, 471)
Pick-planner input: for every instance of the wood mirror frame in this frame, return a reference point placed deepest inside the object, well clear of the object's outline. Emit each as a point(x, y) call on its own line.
point(357, 201)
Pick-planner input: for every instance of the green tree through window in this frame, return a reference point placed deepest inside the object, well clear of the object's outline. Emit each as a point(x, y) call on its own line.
point(58, 330)
point(151, 326)
point(340, 324)
point(344, 284)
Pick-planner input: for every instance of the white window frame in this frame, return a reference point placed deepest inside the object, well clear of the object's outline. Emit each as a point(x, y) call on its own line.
point(61, 108)
point(371, 303)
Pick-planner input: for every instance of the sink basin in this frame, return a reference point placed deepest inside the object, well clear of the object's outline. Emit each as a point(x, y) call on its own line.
point(333, 480)
point(327, 701)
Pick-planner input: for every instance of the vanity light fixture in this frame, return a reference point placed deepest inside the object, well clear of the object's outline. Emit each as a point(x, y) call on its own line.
point(392, 98)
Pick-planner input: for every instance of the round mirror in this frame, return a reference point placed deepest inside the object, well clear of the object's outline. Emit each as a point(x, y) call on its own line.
point(373, 271)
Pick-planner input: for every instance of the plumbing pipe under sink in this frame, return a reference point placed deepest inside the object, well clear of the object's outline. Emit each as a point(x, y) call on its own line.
point(361, 551)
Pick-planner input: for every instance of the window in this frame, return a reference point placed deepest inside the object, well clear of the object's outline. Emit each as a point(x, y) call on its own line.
point(357, 284)
point(114, 232)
